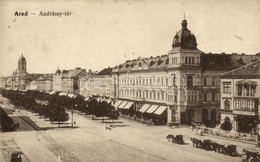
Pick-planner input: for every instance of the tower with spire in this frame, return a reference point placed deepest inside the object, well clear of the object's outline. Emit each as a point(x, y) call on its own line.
point(22, 65)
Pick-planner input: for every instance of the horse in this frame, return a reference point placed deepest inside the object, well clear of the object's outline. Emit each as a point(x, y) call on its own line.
point(169, 137)
point(196, 142)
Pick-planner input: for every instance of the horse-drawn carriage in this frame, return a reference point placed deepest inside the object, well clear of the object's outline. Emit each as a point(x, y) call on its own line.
point(175, 139)
point(210, 145)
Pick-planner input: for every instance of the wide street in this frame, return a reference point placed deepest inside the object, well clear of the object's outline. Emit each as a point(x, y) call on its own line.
point(90, 141)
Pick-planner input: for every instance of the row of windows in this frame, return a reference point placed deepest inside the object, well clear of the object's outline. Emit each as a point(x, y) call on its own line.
point(159, 95)
point(189, 60)
point(151, 81)
point(241, 104)
point(206, 82)
point(207, 96)
point(241, 90)
point(246, 90)
point(244, 104)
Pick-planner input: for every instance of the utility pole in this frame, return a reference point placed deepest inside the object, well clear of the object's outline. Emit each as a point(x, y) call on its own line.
point(72, 115)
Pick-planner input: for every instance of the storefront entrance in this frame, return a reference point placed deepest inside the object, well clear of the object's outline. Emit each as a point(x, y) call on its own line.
point(246, 124)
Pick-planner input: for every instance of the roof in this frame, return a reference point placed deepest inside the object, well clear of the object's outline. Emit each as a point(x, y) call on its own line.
point(31, 76)
point(45, 77)
point(77, 72)
point(251, 70)
point(225, 62)
point(106, 71)
point(184, 38)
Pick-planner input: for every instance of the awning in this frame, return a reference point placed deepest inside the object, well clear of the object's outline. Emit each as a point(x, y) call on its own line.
point(118, 102)
point(144, 108)
point(52, 92)
point(122, 105)
point(129, 104)
point(160, 110)
point(86, 99)
point(98, 99)
point(62, 94)
point(152, 108)
point(108, 101)
point(70, 95)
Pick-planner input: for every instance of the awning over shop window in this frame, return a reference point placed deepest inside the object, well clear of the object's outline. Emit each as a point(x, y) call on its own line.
point(152, 108)
point(52, 92)
point(62, 94)
point(144, 108)
point(118, 102)
point(129, 104)
point(70, 95)
point(122, 105)
point(86, 99)
point(160, 110)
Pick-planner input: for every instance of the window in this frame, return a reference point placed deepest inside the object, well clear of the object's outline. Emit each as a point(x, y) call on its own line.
point(213, 97)
point(205, 96)
point(213, 81)
point(166, 81)
point(205, 81)
point(227, 104)
point(226, 87)
point(253, 90)
point(189, 81)
point(239, 89)
point(173, 80)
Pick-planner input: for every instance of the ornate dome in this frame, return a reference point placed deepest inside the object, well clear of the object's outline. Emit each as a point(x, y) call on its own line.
point(22, 58)
point(184, 38)
point(58, 71)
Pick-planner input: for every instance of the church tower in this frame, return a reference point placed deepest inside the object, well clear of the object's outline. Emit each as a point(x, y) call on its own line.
point(22, 65)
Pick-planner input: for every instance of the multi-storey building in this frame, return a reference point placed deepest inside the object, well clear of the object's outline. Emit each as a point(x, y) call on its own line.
point(185, 81)
point(68, 80)
point(44, 83)
point(240, 98)
point(100, 84)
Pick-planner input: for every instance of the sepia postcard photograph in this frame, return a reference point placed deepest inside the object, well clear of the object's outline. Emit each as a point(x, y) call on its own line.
point(129, 81)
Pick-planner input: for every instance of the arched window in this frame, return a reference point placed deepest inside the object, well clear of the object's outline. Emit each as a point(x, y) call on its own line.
point(189, 81)
point(227, 104)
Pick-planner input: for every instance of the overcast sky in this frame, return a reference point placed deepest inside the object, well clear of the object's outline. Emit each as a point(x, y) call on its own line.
point(105, 33)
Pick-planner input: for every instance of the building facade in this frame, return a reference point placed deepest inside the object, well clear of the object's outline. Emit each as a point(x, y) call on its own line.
point(240, 98)
point(68, 80)
point(186, 80)
point(99, 85)
point(44, 83)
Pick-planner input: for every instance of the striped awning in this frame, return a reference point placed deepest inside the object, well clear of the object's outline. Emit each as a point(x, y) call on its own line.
point(160, 110)
point(122, 105)
point(128, 105)
point(152, 108)
point(118, 102)
point(71, 95)
point(144, 108)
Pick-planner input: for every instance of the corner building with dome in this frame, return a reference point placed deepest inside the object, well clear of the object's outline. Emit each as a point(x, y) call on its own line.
point(181, 87)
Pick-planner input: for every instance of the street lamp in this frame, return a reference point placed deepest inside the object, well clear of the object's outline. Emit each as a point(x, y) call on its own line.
point(72, 115)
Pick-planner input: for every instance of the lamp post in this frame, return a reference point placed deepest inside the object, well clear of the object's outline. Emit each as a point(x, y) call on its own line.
point(72, 116)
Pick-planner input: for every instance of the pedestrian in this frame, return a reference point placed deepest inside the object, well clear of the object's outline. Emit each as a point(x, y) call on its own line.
point(74, 122)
